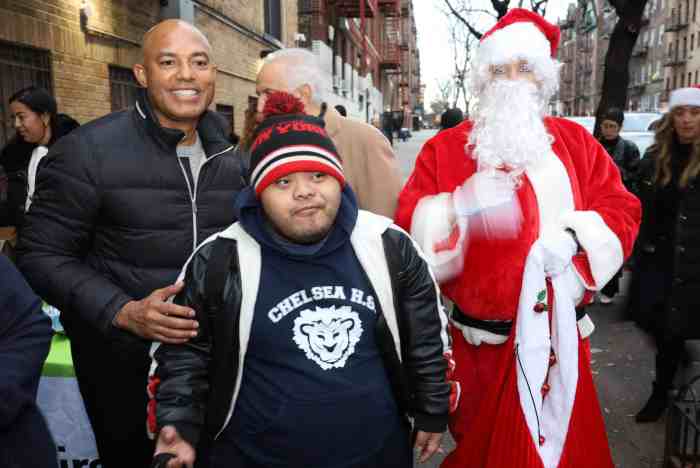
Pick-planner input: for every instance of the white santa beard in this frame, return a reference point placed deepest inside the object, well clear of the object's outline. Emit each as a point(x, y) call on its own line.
point(509, 129)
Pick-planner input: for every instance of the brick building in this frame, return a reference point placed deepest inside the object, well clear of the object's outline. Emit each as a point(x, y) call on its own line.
point(83, 50)
point(580, 53)
point(586, 32)
point(646, 85)
point(367, 49)
point(682, 45)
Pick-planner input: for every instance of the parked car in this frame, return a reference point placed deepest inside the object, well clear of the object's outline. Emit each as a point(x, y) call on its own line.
point(587, 122)
point(640, 121)
point(643, 140)
point(638, 127)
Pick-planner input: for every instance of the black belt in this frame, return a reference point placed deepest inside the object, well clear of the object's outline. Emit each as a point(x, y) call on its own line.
point(497, 327)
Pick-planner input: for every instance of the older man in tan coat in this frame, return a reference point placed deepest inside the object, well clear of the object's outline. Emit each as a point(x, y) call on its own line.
point(369, 163)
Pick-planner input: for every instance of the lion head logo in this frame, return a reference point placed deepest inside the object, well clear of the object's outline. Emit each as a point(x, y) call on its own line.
point(328, 335)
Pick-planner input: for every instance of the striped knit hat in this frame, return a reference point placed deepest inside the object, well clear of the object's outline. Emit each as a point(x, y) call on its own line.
point(289, 141)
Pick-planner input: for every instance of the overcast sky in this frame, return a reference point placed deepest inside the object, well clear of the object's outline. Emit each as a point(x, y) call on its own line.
point(433, 39)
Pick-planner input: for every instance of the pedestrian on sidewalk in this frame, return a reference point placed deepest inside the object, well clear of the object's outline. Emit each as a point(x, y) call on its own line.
point(321, 331)
point(451, 118)
point(370, 165)
point(626, 155)
point(122, 203)
point(341, 110)
point(522, 216)
point(667, 273)
point(38, 124)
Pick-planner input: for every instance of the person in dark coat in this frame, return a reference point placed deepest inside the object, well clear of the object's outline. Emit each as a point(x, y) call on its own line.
point(626, 155)
point(451, 118)
point(324, 382)
point(38, 125)
point(122, 203)
point(341, 110)
point(25, 334)
point(666, 282)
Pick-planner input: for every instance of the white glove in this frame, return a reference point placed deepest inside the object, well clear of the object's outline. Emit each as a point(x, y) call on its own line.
point(483, 190)
point(559, 247)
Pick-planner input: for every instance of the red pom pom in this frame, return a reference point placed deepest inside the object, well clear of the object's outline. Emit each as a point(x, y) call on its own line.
point(282, 103)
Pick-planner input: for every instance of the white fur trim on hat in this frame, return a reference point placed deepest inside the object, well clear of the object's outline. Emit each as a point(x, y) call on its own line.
point(518, 41)
point(684, 97)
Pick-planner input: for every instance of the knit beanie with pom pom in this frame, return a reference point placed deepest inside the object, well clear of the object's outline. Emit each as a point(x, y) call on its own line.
point(290, 141)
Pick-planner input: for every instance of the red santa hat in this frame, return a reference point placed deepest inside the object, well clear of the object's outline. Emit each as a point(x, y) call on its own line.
point(520, 34)
point(685, 97)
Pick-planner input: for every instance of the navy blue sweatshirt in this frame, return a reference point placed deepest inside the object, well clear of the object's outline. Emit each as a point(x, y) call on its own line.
point(314, 391)
point(25, 334)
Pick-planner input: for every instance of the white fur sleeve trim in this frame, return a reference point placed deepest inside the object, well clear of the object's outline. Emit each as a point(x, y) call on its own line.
point(603, 247)
point(430, 225)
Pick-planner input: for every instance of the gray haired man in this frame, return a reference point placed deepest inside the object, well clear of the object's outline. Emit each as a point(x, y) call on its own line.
point(369, 163)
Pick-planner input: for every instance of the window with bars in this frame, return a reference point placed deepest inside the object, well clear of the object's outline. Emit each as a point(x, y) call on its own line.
point(20, 66)
point(226, 112)
point(273, 18)
point(123, 87)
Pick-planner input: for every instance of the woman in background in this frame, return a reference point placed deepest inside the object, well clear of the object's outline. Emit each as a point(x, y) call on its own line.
point(667, 271)
point(38, 126)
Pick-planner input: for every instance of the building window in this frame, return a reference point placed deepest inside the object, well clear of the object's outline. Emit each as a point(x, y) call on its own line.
point(690, 78)
point(252, 103)
point(226, 112)
point(123, 87)
point(273, 18)
point(20, 66)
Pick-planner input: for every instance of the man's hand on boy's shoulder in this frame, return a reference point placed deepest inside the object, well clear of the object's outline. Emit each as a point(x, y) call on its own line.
point(154, 318)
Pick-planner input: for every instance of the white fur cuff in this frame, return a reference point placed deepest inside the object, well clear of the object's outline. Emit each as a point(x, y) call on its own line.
point(603, 247)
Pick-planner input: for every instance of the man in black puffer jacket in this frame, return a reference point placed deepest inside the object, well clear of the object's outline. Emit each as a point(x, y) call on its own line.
point(123, 201)
point(331, 334)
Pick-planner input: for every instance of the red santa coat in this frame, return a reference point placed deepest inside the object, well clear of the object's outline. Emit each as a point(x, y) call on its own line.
point(580, 189)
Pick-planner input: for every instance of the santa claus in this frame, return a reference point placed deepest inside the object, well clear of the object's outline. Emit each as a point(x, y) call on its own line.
point(522, 216)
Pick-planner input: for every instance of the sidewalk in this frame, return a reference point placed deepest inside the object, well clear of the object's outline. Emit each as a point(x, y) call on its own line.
point(623, 369)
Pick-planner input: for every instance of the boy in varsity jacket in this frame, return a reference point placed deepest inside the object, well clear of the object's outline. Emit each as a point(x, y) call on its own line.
point(330, 336)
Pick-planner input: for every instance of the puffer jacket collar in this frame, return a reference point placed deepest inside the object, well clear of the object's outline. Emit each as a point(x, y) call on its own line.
point(209, 128)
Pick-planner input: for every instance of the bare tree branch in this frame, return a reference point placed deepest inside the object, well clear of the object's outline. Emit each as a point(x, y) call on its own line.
point(486, 12)
point(461, 18)
point(501, 7)
point(539, 6)
point(622, 40)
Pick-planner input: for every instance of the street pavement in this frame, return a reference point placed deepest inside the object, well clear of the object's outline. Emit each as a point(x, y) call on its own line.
point(622, 364)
